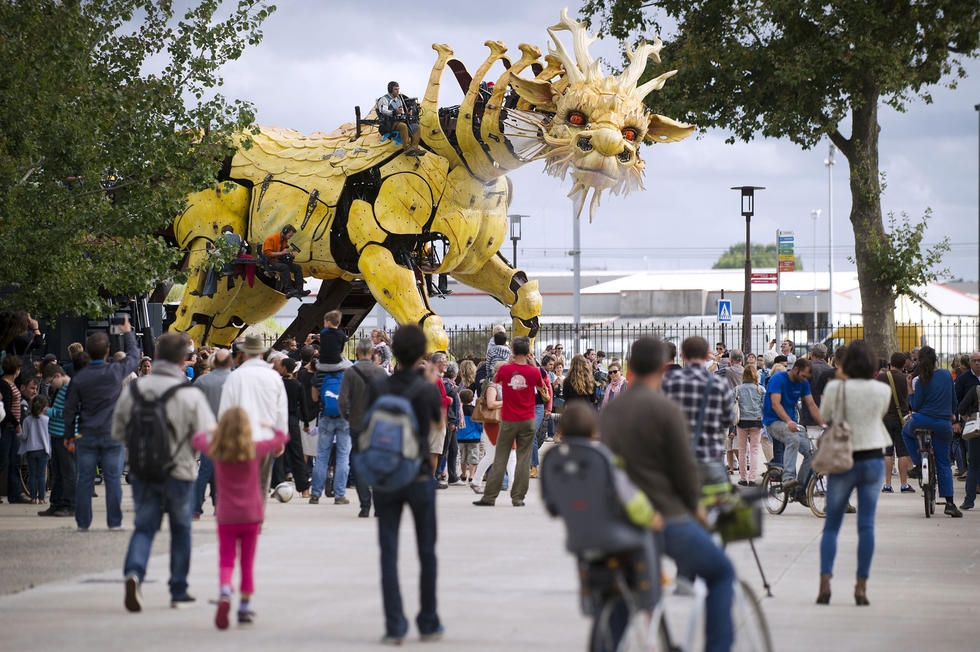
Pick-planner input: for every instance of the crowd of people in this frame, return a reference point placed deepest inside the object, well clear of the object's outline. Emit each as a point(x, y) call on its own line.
point(481, 424)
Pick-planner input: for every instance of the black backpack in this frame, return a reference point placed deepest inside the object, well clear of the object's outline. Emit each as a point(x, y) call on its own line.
point(148, 435)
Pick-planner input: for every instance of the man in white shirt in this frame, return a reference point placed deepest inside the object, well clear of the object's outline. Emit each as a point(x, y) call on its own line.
point(258, 389)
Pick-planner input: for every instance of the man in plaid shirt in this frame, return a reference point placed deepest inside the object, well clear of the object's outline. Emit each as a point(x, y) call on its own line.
point(687, 386)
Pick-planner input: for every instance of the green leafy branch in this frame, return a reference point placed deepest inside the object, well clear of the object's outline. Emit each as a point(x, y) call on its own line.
point(899, 260)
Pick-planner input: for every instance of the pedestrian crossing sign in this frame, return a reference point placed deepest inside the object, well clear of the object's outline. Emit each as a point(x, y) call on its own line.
point(724, 310)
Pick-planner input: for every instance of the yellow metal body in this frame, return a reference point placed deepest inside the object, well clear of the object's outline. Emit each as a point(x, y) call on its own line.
point(365, 209)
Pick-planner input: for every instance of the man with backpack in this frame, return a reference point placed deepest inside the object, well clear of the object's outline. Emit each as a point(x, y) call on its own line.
point(387, 422)
point(156, 416)
point(355, 389)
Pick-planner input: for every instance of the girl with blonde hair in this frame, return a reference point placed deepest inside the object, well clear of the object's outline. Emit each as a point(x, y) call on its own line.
point(579, 385)
point(240, 507)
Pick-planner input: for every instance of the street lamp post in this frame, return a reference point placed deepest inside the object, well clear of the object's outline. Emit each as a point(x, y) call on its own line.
point(515, 232)
point(748, 209)
point(976, 107)
point(815, 214)
point(829, 162)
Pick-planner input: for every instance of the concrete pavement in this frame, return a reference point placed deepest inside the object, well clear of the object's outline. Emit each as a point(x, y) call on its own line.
point(505, 582)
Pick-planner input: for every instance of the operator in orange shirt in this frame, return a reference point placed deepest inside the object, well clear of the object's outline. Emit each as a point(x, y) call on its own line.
point(280, 255)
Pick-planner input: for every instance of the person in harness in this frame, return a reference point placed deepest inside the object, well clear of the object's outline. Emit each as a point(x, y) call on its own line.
point(397, 113)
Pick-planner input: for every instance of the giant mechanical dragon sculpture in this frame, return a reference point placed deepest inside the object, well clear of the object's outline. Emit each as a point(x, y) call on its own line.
point(366, 210)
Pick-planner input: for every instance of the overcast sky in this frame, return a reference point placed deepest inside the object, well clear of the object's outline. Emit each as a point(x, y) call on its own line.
point(319, 59)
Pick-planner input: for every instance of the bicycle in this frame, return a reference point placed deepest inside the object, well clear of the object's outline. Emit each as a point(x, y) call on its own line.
point(775, 498)
point(927, 476)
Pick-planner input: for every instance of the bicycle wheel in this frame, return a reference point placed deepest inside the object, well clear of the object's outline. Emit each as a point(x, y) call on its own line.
point(613, 621)
point(646, 632)
point(933, 483)
point(751, 629)
point(772, 491)
point(816, 494)
point(927, 487)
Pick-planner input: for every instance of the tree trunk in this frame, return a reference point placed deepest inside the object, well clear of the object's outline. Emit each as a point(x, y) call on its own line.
point(877, 298)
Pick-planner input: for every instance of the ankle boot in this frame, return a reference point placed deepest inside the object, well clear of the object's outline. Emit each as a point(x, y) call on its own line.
point(861, 592)
point(823, 596)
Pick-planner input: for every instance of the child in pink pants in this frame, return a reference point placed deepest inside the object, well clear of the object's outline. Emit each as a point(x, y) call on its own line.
point(240, 507)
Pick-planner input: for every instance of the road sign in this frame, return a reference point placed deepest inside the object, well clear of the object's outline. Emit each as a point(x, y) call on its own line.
point(724, 310)
point(786, 265)
point(764, 277)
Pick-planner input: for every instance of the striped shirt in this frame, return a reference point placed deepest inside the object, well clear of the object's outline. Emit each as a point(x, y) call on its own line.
point(56, 413)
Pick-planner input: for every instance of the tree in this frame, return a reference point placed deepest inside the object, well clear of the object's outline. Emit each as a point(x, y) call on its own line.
point(762, 256)
point(107, 121)
point(798, 69)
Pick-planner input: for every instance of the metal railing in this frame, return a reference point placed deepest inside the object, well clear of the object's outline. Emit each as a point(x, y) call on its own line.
point(948, 337)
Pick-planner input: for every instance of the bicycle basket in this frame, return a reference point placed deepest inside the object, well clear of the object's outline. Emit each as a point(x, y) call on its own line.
point(740, 517)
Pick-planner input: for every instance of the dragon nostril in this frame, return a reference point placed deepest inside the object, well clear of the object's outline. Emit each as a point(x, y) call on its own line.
point(625, 156)
point(585, 144)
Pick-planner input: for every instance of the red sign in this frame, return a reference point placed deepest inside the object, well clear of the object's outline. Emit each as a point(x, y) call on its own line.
point(764, 277)
point(786, 265)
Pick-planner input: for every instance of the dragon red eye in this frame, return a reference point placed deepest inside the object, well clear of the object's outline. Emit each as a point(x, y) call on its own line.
point(630, 134)
point(576, 118)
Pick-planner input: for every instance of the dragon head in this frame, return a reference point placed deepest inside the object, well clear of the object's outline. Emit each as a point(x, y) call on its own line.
point(597, 122)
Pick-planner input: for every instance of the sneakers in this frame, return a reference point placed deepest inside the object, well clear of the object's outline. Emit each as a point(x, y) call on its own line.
point(951, 510)
point(966, 505)
point(314, 500)
point(61, 513)
point(482, 503)
point(388, 639)
point(246, 617)
point(790, 485)
point(915, 473)
point(182, 601)
point(517, 503)
point(850, 509)
point(887, 489)
point(442, 485)
point(433, 636)
point(477, 489)
point(907, 489)
point(342, 500)
point(364, 513)
point(221, 617)
point(134, 595)
point(48, 512)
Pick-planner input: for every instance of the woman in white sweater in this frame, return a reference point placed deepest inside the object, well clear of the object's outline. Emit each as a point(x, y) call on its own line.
point(865, 403)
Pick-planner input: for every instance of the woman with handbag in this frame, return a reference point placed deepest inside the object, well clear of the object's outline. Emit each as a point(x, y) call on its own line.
point(859, 401)
point(488, 411)
point(898, 413)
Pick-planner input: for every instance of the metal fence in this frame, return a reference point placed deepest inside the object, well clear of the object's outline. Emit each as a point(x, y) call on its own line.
point(948, 337)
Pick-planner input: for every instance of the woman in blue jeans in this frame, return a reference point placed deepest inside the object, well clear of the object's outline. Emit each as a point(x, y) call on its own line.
point(933, 404)
point(864, 402)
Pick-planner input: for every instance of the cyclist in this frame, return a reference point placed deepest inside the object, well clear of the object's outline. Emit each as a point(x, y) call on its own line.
point(650, 433)
point(933, 404)
point(784, 390)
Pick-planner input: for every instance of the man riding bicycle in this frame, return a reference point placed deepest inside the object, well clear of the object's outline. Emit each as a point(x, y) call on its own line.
point(785, 389)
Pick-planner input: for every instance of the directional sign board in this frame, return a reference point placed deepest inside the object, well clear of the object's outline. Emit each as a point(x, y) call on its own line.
point(785, 256)
point(764, 277)
point(724, 310)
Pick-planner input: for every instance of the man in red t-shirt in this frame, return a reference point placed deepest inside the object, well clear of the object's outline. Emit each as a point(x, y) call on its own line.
point(519, 380)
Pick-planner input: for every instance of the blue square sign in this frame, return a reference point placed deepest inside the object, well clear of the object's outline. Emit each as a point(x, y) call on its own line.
point(724, 310)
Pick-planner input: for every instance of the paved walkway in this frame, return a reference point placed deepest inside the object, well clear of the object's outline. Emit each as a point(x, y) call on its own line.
point(505, 582)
